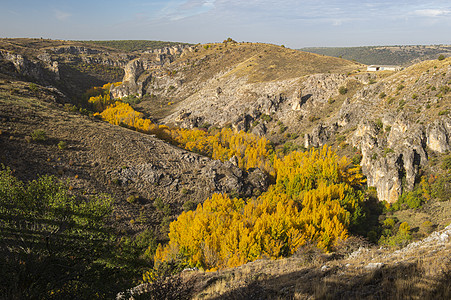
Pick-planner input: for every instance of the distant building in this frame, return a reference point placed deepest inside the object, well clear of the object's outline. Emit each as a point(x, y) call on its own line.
point(383, 68)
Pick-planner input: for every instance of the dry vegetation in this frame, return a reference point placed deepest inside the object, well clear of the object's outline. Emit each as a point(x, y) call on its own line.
point(261, 62)
point(356, 271)
point(41, 135)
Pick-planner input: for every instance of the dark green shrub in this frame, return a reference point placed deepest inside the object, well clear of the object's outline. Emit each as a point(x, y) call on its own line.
point(379, 124)
point(56, 244)
point(387, 151)
point(444, 89)
point(266, 118)
point(446, 164)
point(441, 57)
point(165, 208)
point(356, 159)
point(131, 199)
point(39, 135)
point(62, 145)
point(342, 90)
point(131, 99)
point(33, 88)
point(441, 188)
point(413, 199)
point(340, 138)
point(189, 205)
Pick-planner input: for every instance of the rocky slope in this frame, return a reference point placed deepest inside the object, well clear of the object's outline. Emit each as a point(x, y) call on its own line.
point(396, 124)
point(134, 168)
point(421, 270)
point(396, 120)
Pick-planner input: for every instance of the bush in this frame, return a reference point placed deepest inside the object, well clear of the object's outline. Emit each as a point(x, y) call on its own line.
point(62, 145)
point(444, 89)
point(342, 90)
point(441, 57)
point(33, 88)
point(427, 227)
point(39, 135)
point(189, 205)
point(131, 199)
point(266, 118)
point(400, 239)
point(413, 199)
point(313, 118)
point(379, 124)
point(446, 164)
point(441, 188)
point(162, 207)
point(340, 138)
point(131, 99)
point(357, 158)
point(282, 128)
point(56, 244)
point(387, 151)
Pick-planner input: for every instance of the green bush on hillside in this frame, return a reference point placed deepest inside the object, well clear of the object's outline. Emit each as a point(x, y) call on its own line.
point(56, 244)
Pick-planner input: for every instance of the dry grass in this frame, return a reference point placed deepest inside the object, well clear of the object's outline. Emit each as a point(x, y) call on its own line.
point(420, 272)
point(261, 62)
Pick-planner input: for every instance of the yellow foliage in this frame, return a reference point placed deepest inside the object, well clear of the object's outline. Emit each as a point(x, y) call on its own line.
point(251, 151)
point(99, 97)
point(315, 198)
point(311, 201)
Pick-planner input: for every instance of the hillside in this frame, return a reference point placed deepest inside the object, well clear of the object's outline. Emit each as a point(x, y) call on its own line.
point(215, 133)
point(385, 55)
point(357, 271)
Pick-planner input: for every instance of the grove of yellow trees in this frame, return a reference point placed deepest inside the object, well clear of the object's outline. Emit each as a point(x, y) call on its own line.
point(251, 151)
point(99, 97)
point(315, 198)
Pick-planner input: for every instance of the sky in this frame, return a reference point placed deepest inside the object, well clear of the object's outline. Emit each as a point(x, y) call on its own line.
point(295, 24)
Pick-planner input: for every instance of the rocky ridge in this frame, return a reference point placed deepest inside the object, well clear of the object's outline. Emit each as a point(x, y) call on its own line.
point(395, 120)
point(389, 130)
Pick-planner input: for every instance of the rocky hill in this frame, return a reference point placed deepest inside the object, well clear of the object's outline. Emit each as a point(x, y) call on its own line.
point(395, 125)
point(98, 157)
point(396, 120)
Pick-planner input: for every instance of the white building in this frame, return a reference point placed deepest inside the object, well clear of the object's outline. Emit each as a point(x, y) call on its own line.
point(383, 68)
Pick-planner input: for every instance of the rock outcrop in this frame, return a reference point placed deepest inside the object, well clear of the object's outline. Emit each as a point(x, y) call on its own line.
point(39, 71)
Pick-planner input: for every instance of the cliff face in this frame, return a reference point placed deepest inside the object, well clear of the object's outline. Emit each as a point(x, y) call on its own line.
point(43, 69)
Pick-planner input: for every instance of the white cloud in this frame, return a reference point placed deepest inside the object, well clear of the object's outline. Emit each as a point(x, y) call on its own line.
point(432, 12)
point(61, 15)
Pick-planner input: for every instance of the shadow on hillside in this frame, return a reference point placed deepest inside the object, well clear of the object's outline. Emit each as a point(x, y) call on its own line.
point(305, 98)
point(28, 160)
point(50, 252)
point(402, 281)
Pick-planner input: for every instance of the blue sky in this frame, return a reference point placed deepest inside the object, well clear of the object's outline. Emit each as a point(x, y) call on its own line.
point(295, 24)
